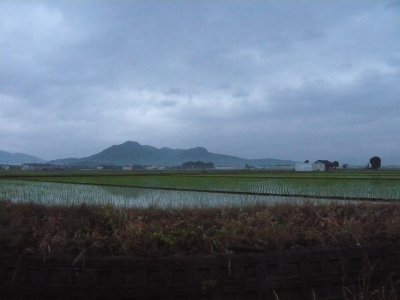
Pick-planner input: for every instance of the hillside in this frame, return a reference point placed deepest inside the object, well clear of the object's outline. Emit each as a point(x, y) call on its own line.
point(133, 153)
point(18, 158)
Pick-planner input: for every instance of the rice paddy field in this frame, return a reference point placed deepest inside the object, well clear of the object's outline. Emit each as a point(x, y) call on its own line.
point(192, 189)
point(167, 213)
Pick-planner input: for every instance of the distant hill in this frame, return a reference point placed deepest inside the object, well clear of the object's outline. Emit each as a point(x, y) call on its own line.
point(18, 158)
point(133, 153)
point(64, 161)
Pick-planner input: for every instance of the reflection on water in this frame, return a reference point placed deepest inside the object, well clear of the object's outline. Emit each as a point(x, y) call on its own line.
point(75, 194)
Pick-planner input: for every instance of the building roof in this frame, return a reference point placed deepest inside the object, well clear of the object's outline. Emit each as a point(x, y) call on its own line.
point(324, 161)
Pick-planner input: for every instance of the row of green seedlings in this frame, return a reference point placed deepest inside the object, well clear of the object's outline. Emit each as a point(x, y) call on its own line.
point(351, 189)
point(71, 194)
point(285, 186)
point(315, 187)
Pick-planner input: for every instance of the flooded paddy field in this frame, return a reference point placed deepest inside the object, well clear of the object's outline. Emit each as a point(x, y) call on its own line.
point(198, 190)
point(128, 197)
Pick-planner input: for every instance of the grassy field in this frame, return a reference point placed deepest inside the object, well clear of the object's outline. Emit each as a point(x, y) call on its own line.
point(83, 227)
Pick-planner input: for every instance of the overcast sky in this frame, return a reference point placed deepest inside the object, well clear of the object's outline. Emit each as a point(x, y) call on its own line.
point(255, 79)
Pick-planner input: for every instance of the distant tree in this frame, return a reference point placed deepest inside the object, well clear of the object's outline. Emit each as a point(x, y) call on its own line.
point(335, 164)
point(375, 162)
point(345, 166)
point(307, 161)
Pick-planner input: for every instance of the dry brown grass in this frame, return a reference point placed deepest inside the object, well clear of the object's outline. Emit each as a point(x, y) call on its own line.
point(104, 230)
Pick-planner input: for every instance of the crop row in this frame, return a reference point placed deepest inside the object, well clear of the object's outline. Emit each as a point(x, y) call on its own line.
point(367, 188)
point(62, 194)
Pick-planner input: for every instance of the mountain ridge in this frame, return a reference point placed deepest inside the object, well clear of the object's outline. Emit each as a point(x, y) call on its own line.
point(133, 153)
point(17, 158)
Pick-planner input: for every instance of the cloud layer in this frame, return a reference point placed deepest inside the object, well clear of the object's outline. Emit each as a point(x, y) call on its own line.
point(290, 80)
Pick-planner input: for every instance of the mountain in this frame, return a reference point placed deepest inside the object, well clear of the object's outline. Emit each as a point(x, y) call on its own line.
point(133, 153)
point(64, 161)
point(18, 158)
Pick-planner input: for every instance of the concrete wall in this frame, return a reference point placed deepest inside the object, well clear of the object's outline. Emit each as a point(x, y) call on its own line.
point(279, 168)
point(303, 167)
point(308, 167)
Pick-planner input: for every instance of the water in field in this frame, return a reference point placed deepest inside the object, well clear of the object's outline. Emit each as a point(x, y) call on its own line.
point(75, 194)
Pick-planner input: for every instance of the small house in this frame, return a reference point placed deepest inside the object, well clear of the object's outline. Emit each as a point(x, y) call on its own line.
point(319, 166)
point(328, 165)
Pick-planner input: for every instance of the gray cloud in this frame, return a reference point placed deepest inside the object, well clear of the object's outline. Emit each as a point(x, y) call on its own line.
point(289, 80)
point(240, 94)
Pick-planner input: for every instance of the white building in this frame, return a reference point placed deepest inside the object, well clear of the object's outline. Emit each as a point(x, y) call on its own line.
point(303, 167)
point(309, 167)
point(156, 168)
point(318, 166)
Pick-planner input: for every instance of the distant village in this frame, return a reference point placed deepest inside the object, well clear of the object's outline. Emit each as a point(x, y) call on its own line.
point(317, 166)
